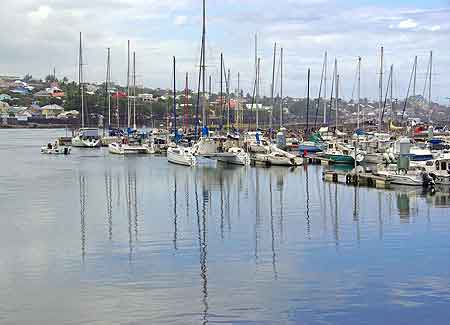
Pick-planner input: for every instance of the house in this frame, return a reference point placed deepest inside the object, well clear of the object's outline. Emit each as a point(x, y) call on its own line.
point(119, 94)
point(42, 94)
point(4, 97)
point(20, 90)
point(91, 89)
point(254, 106)
point(68, 114)
point(35, 110)
point(4, 107)
point(52, 110)
point(146, 98)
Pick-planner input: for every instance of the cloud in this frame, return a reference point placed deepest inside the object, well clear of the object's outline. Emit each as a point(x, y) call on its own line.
point(160, 29)
point(40, 14)
point(407, 24)
point(180, 20)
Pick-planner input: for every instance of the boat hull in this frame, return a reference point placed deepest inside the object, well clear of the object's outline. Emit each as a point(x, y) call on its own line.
point(180, 159)
point(61, 150)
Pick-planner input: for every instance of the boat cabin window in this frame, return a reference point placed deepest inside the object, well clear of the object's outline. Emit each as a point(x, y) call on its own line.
point(443, 165)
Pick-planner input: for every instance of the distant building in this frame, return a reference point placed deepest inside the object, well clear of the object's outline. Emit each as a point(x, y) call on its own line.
point(146, 98)
point(254, 106)
point(52, 110)
point(4, 97)
point(4, 107)
point(42, 94)
point(21, 91)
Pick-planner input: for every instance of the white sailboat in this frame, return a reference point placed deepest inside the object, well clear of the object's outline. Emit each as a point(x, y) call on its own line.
point(86, 137)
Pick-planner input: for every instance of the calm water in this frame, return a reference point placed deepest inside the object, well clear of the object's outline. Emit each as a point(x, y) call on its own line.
point(96, 239)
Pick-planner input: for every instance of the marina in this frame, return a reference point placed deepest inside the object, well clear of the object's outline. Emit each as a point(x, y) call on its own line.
point(204, 162)
point(99, 231)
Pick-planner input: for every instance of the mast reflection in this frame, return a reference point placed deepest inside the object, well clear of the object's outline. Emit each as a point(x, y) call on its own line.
point(108, 190)
point(201, 227)
point(308, 219)
point(274, 265)
point(175, 215)
point(83, 196)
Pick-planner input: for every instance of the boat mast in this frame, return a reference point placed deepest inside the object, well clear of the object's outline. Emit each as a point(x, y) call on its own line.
point(336, 99)
point(174, 102)
point(257, 93)
point(391, 90)
point(221, 90)
point(186, 103)
point(204, 66)
point(228, 101)
point(281, 88)
point(238, 104)
point(307, 104)
point(429, 84)
point(273, 86)
point(134, 90)
point(325, 89)
point(108, 80)
point(80, 81)
point(415, 76)
point(320, 94)
point(128, 86)
point(359, 91)
point(381, 92)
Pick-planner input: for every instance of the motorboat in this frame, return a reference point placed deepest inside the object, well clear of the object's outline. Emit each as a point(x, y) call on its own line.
point(438, 169)
point(340, 153)
point(127, 149)
point(86, 138)
point(414, 176)
point(56, 149)
point(233, 156)
point(181, 156)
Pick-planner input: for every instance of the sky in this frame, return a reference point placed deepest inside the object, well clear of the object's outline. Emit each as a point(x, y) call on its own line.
point(39, 35)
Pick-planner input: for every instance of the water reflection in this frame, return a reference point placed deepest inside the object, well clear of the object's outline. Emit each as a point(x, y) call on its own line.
point(272, 231)
point(83, 200)
point(108, 191)
point(265, 202)
point(202, 232)
point(308, 218)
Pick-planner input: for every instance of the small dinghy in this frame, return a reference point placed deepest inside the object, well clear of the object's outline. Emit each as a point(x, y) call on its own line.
point(55, 149)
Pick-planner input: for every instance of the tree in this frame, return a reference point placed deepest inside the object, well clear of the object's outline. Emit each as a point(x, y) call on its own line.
point(28, 77)
point(50, 78)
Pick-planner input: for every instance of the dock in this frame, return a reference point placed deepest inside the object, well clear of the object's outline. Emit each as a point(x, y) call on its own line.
point(352, 178)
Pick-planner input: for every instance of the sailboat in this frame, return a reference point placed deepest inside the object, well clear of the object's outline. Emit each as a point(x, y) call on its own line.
point(177, 154)
point(86, 137)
